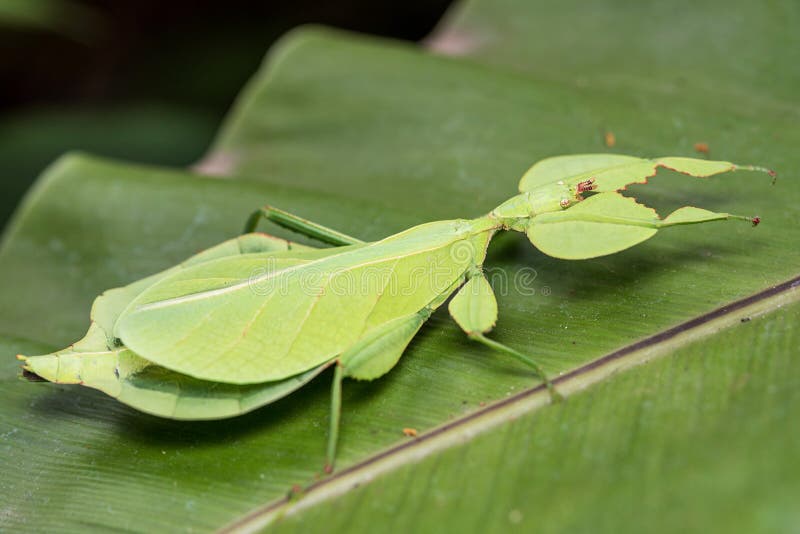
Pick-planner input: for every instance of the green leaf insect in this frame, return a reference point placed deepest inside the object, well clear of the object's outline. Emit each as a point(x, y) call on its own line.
point(255, 318)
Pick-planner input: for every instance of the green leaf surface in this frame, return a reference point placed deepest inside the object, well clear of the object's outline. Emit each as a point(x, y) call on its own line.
point(725, 53)
point(370, 137)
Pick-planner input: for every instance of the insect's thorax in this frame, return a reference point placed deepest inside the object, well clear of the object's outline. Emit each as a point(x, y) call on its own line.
point(515, 211)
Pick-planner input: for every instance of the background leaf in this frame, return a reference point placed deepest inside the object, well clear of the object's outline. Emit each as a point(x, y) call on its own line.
point(719, 52)
point(369, 137)
point(64, 17)
point(31, 140)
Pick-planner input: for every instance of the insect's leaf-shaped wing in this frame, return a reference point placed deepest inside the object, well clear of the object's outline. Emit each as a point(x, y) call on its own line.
point(153, 389)
point(247, 320)
point(96, 362)
point(108, 306)
point(615, 172)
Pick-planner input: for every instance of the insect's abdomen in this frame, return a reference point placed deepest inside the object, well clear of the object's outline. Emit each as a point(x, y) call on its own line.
point(254, 319)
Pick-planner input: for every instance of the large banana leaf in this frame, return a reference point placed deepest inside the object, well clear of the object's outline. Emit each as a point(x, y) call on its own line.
point(370, 137)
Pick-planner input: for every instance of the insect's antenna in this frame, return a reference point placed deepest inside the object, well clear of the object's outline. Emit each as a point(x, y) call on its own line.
point(772, 173)
point(754, 220)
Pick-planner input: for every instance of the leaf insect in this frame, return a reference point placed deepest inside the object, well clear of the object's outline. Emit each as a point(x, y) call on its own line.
point(253, 319)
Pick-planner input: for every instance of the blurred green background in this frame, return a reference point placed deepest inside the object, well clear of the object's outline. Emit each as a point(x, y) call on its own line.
point(74, 71)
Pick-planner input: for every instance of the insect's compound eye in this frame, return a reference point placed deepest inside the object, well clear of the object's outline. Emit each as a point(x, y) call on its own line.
point(564, 203)
point(586, 185)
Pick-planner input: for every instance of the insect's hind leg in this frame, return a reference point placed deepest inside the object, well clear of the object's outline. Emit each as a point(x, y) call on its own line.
point(298, 224)
point(474, 308)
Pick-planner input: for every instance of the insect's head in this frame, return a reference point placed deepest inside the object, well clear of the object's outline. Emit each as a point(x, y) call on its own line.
point(550, 198)
point(574, 193)
point(577, 209)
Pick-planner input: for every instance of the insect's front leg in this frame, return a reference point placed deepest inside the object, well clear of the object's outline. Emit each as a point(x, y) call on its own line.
point(474, 308)
point(298, 224)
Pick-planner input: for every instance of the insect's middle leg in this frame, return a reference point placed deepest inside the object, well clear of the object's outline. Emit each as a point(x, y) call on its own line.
point(336, 413)
point(298, 224)
point(474, 308)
